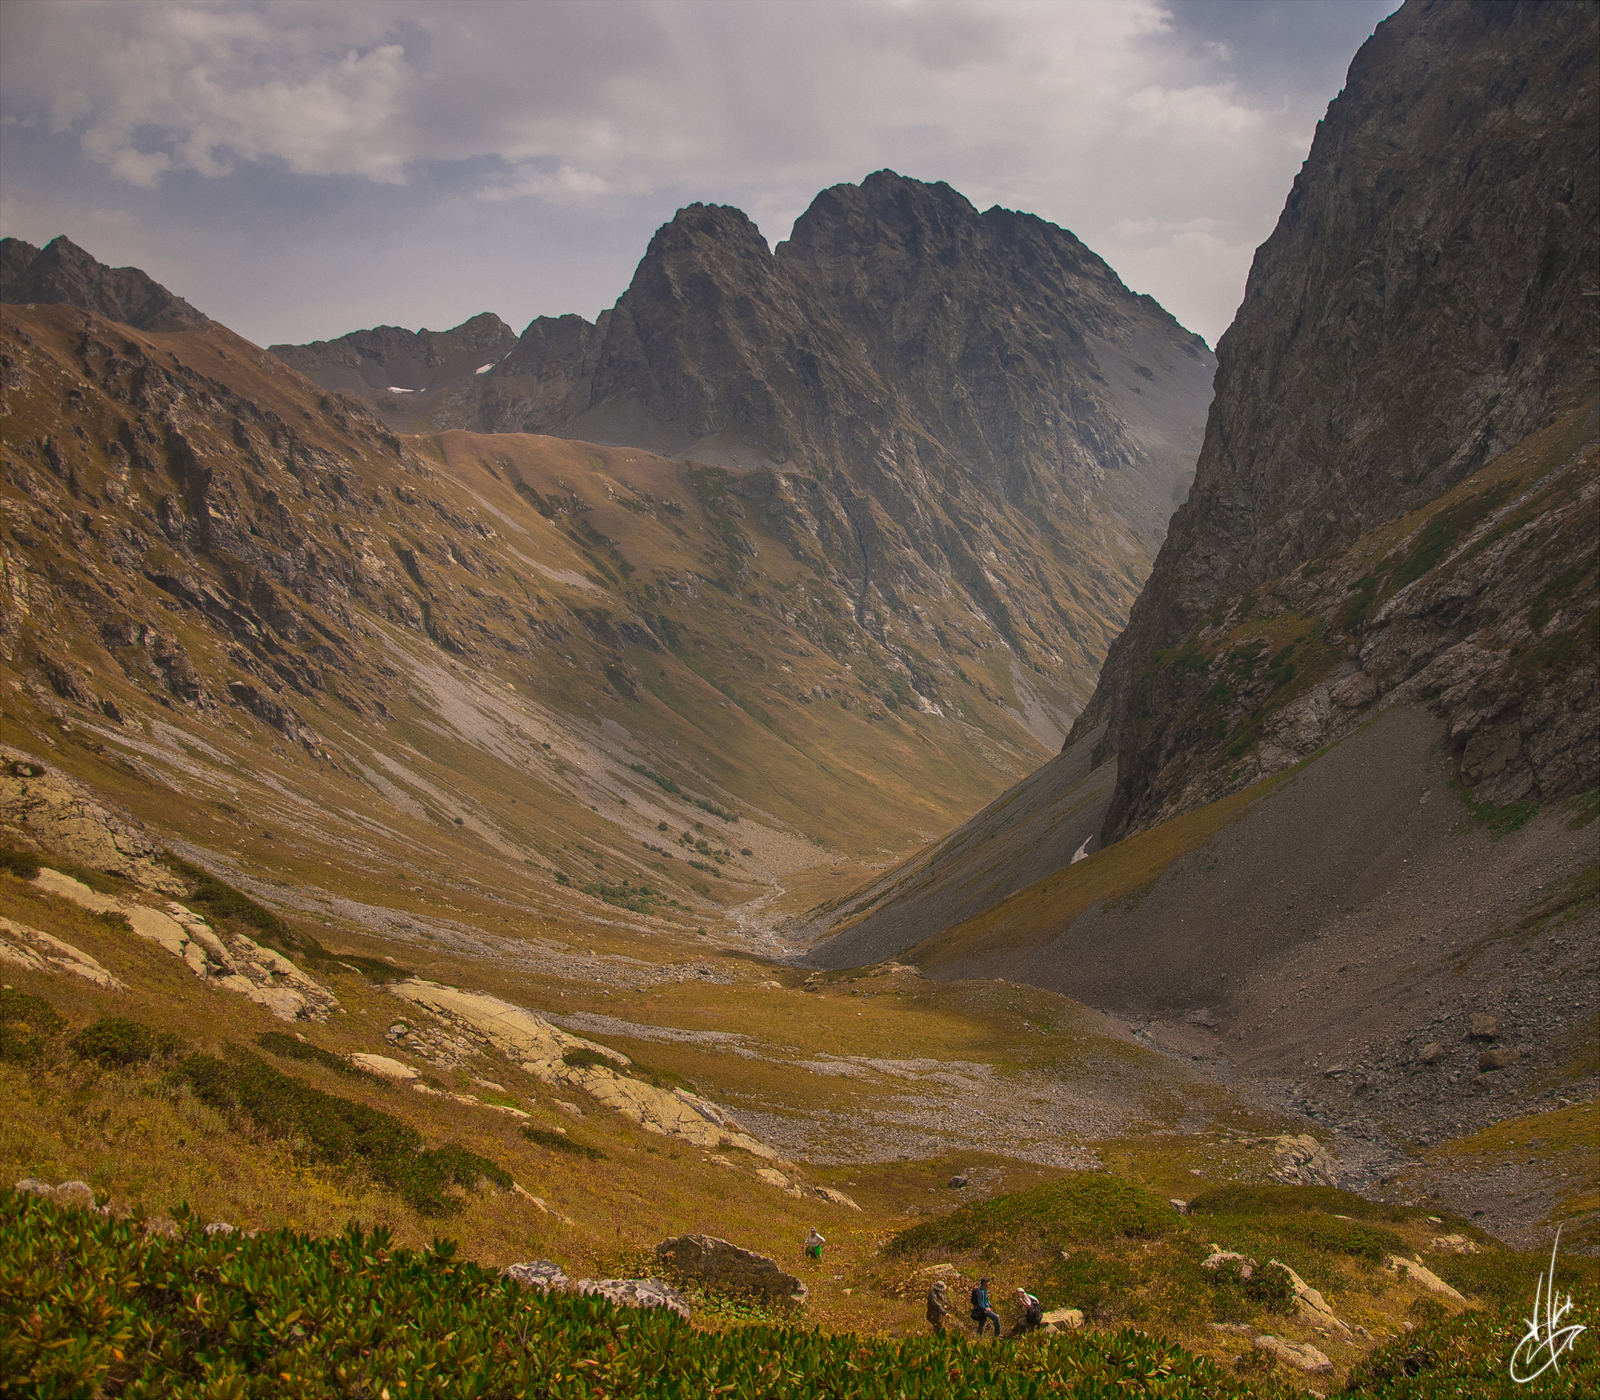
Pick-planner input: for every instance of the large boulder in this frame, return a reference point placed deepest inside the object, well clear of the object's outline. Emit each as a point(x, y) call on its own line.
point(729, 1269)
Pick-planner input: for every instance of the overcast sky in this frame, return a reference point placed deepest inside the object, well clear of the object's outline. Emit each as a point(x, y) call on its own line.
point(298, 169)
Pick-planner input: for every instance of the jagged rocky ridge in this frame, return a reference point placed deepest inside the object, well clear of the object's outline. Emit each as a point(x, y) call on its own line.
point(63, 272)
point(929, 402)
point(388, 360)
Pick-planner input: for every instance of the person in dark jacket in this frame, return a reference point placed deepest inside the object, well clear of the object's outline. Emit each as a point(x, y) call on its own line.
point(982, 1313)
point(938, 1307)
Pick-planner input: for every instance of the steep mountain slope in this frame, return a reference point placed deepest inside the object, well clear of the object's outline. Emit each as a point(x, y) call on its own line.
point(945, 412)
point(224, 584)
point(1345, 755)
point(64, 273)
point(1426, 301)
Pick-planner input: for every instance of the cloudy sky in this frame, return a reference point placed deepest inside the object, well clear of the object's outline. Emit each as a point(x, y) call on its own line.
point(299, 169)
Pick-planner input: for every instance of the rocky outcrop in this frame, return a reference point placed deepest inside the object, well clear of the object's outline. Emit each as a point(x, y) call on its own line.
point(728, 1268)
point(233, 963)
point(56, 812)
point(1303, 1161)
point(1426, 303)
point(43, 952)
point(624, 1292)
point(63, 272)
point(1424, 1277)
point(1301, 1355)
point(559, 1058)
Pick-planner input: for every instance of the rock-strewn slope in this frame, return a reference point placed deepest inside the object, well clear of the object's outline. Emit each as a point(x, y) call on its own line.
point(1427, 301)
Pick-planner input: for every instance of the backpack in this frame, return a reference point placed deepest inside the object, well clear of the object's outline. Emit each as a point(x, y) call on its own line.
point(980, 1304)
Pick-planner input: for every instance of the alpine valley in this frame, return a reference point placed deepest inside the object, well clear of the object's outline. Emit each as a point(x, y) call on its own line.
point(886, 734)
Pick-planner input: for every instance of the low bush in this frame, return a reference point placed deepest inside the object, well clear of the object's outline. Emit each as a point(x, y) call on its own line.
point(23, 864)
point(560, 1142)
point(1470, 1354)
point(1081, 1206)
point(115, 1042)
point(1273, 1199)
point(27, 1024)
point(94, 1307)
point(342, 1132)
point(288, 1048)
point(581, 1055)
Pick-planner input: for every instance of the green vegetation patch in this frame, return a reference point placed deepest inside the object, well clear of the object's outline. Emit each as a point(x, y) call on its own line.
point(560, 1142)
point(341, 1132)
point(23, 864)
point(640, 899)
point(1470, 1353)
point(1080, 1207)
point(115, 1043)
point(288, 1048)
point(1440, 535)
point(27, 1024)
point(94, 1307)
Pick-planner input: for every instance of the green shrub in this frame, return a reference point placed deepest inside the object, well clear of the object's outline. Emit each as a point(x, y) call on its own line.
point(1081, 1206)
point(93, 1307)
point(582, 1055)
point(23, 864)
point(1273, 1199)
point(1470, 1354)
point(560, 1142)
point(1267, 1287)
point(115, 1042)
point(342, 1132)
point(26, 1023)
point(289, 1048)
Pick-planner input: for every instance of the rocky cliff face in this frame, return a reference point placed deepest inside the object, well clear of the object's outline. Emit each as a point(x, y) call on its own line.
point(941, 411)
point(63, 272)
point(1427, 301)
point(1395, 502)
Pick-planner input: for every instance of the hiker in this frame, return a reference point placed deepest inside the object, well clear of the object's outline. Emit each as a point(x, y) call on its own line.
point(981, 1311)
point(938, 1308)
point(1032, 1313)
point(813, 1245)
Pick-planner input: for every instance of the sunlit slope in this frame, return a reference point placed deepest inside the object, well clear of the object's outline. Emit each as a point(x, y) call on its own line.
point(255, 615)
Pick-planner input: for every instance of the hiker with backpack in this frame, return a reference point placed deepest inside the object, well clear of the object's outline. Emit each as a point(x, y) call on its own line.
point(1032, 1313)
point(982, 1313)
point(938, 1308)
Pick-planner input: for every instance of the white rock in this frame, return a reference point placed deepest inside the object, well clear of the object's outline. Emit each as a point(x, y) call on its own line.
point(1420, 1273)
point(1297, 1354)
point(383, 1067)
point(50, 954)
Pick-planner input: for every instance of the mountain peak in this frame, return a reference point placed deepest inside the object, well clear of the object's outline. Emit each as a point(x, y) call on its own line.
point(64, 272)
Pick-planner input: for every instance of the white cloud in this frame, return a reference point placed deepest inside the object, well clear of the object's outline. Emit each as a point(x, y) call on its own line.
point(1090, 113)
